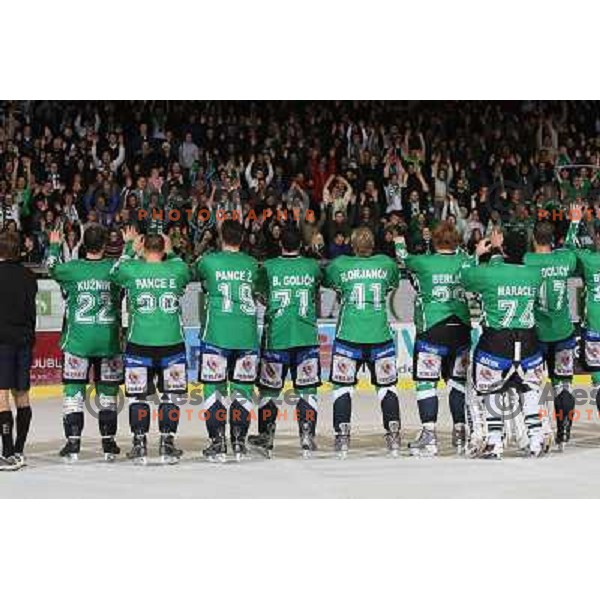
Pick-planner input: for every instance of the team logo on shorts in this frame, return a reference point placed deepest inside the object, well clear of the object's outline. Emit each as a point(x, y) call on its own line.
point(270, 371)
point(486, 374)
point(307, 369)
point(247, 364)
point(213, 364)
point(133, 377)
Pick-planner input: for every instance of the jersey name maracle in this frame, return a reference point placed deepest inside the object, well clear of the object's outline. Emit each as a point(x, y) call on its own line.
point(517, 290)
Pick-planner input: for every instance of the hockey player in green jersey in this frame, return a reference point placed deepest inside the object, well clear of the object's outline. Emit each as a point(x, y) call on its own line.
point(154, 283)
point(507, 356)
point(229, 351)
point(553, 323)
point(443, 333)
point(363, 336)
point(588, 265)
point(91, 338)
point(288, 284)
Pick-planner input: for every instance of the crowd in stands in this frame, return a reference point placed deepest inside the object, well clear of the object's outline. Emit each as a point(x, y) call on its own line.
point(179, 167)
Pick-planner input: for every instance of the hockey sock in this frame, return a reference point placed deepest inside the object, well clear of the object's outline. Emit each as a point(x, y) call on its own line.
point(23, 422)
point(564, 401)
point(342, 406)
point(73, 409)
point(107, 415)
point(168, 417)
point(456, 399)
point(267, 409)
point(427, 401)
point(216, 413)
point(241, 409)
point(6, 432)
point(307, 408)
point(390, 406)
point(139, 416)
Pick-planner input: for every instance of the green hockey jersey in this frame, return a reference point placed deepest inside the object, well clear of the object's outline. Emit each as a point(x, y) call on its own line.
point(289, 285)
point(362, 284)
point(229, 280)
point(153, 298)
point(438, 286)
point(552, 316)
point(509, 293)
point(589, 267)
point(91, 324)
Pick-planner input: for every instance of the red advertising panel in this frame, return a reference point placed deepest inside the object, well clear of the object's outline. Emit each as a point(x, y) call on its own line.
point(47, 359)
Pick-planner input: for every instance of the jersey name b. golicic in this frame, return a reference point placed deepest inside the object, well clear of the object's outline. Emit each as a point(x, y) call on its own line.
point(289, 285)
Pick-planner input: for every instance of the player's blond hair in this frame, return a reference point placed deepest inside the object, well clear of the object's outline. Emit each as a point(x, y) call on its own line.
point(362, 241)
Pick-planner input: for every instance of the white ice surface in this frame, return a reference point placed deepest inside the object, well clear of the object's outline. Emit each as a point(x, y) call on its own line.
point(366, 473)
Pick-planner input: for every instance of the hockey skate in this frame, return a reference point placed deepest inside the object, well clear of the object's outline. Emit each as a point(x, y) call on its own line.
point(139, 450)
point(10, 463)
point(216, 451)
point(537, 445)
point(21, 459)
point(307, 440)
point(263, 442)
point(342, 441)
point(392, 439)
point(493, 449)
point(70, 451)
point(238, 444)
point(110, 449)
point(425, 445)
point(169, 453)
point(459, 437)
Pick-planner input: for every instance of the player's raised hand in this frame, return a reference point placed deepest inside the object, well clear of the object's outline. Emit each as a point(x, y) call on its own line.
point(576, 211)
point(496, 238)
point(129, 234)
point(138, 244)
point(483, 246)
point(168, 243)
point(55, 236)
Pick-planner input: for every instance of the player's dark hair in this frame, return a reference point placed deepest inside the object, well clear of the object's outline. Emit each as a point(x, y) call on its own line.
point(153, 242)
point(543, 233)
point(291, 240)
point(232, 233)
point(9, 245)
point(94, 238)
point(515, 246)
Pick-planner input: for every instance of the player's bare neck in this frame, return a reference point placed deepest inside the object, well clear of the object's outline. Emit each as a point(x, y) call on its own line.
point(153, 257)
point(543, 249)
point(94, 256)
point(227, 248)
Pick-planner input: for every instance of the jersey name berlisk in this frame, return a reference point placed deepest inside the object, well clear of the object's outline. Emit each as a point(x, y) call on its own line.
point(445, 278)
point(363, 274)
point(233, 276)
point(93, 285)
point(155, 283)
point(517, 290)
